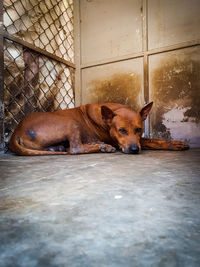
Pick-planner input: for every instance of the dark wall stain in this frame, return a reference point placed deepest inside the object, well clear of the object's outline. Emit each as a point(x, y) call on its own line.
point(123, 88)
point(175, 83)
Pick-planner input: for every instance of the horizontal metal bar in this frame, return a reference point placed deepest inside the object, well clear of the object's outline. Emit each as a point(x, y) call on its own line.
point(112, 60)
point(174, 47)
point(37, 49)
point(142, 54)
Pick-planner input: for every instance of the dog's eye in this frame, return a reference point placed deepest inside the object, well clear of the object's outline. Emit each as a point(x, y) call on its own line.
point(138, 130)
point(123, 131)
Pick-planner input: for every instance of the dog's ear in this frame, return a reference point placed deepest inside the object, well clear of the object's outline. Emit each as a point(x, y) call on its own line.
point(107, 115)
point(145, 111)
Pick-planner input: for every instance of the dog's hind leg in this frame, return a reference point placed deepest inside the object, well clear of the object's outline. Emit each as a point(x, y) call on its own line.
point(156, 144)
point(59, 148)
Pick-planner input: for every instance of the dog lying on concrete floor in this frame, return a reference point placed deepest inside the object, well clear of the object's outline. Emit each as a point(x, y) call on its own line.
point(86, 129)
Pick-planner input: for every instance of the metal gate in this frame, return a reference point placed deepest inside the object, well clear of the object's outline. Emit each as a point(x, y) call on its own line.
point(36, 59)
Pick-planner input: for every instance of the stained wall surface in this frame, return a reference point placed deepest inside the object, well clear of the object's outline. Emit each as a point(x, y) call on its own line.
point(138, 51)
point(175, 89)
point(120, 82)
point(174, 83)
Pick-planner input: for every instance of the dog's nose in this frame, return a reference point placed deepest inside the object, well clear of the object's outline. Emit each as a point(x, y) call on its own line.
point(134, 149)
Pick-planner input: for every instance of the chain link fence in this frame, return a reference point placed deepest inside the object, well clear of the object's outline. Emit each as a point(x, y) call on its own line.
point(33, 80)
point(47, 24)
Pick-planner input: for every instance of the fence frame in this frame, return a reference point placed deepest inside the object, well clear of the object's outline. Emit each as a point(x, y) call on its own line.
point(3, 36)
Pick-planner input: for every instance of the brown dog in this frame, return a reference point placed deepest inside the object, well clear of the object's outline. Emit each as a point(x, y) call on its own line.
point(86, 129)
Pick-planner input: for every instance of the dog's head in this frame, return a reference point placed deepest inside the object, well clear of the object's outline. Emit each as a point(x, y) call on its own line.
point(125, 126)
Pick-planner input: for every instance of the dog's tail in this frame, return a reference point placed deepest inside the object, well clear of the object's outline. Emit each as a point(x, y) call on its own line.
point(16, 147)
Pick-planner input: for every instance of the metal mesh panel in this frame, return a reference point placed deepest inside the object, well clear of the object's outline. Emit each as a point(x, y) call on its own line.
point(48, 24)
point(33, 82)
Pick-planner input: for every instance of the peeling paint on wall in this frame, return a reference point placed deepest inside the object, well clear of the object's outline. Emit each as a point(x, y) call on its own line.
point(175, 90)
point(179, 126)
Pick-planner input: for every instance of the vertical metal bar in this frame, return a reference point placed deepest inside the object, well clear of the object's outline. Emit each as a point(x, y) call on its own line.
point(146, 79)
point(2, 142)
point(77, 46)
point(144, 26)
point(145, 59)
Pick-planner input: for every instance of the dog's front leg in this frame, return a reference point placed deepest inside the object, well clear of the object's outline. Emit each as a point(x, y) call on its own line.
point(77, 147)
point(147, 143)
point(88, 148)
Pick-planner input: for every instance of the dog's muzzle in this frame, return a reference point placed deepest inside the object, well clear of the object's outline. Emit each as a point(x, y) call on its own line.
point(133, 149)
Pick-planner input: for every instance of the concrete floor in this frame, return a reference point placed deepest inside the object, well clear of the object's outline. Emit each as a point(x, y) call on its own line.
point(101, 210)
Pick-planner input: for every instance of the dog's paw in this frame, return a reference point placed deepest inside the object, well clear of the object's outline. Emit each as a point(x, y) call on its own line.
point(177, 145)
point(107, 148)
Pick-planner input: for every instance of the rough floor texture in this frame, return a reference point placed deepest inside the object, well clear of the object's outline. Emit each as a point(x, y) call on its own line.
point(101, 210)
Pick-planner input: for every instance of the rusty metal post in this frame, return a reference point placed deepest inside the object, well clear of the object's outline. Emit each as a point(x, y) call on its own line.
point(77, 46)
point(145, 60)
point(2, 143)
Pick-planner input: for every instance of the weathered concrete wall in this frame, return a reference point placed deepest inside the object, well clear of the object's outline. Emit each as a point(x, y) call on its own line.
point(119, 82)
point(111, 29)
point(174, 76)
point(116, 30)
